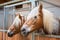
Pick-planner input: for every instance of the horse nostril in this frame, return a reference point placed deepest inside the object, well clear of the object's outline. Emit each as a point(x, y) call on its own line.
point(10, 34)
point(25, 33)
point(23, 30)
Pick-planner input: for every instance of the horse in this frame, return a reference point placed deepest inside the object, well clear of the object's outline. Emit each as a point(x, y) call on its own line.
point(40, 18)
point(16, 25)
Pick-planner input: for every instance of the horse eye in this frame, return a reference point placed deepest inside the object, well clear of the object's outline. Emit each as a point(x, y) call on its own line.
point(35, 16)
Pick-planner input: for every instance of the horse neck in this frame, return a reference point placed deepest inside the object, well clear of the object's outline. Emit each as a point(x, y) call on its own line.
point(50, 23)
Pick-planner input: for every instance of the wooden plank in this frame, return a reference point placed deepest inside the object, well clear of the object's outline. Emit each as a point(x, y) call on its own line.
point(20, 37)
point(45, 38)
point(17, 37)
point(3, 1)
point(50, 36)
point(4, 36)
point(1, 36)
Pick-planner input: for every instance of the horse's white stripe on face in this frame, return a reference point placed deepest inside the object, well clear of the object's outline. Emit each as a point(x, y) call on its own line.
point(17, 21)
point(33, 13)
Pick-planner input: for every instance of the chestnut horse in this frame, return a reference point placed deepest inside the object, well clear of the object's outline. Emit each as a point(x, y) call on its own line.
point(40, 18)
point(17, 24)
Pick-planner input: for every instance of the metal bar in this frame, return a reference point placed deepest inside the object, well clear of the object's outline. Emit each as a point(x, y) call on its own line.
point(33, 36)
point(33, 3)
point(13, 16)
point(18, 4)
point(9, 3)
point(3, 30)
point(3, 24)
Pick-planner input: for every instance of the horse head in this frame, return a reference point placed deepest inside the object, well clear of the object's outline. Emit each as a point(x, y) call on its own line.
point(16, 25)
point(34, 21)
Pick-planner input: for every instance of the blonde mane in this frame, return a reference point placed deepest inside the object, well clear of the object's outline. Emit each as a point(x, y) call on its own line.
point(50, 22)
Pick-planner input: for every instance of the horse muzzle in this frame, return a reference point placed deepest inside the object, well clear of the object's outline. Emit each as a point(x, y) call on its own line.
point(10, 34)
point(24, 32)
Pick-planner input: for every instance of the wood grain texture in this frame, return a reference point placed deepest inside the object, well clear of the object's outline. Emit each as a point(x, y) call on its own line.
point(17, 37)
point(1, 36)
point(45, 38)
point(20, 37)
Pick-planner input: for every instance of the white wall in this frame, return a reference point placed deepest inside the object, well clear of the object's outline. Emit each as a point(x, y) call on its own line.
point(53, 6)
point(56, 2)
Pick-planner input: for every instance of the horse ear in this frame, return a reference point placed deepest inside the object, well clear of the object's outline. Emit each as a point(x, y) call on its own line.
point(40, 10)
point(40, 7)
point(17, 14)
